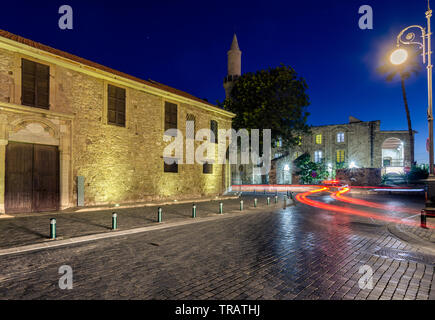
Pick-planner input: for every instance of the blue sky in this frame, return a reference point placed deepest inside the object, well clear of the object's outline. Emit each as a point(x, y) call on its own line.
point(184, 43)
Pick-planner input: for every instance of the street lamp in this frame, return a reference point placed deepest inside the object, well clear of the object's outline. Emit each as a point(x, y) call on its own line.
point(399, 56)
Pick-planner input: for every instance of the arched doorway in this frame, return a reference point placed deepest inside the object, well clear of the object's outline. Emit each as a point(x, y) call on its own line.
point(393, 155)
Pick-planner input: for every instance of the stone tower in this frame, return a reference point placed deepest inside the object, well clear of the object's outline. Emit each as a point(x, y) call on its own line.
point(234, 66)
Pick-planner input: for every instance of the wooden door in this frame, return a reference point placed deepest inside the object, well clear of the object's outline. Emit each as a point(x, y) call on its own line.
point(45, 178)
point(19, 185)
point(32, 178)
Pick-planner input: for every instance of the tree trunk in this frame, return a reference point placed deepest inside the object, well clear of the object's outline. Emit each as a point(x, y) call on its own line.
point(408, 117)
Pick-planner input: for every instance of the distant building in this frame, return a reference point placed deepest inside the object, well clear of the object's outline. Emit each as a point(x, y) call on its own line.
point(357, 144)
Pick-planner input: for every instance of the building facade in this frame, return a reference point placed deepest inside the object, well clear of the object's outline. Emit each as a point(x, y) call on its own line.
point(73, 132)
point(357, 144)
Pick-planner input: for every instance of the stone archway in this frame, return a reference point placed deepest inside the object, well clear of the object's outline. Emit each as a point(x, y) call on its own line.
point(40, 131)
point(393, 155)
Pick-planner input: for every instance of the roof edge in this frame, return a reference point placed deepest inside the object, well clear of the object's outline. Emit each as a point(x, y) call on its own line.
point(87, 66)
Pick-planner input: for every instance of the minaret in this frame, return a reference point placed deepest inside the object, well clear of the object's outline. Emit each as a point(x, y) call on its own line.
point(234, 66)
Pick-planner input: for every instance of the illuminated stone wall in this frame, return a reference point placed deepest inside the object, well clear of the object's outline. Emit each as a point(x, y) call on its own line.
point(119, 164)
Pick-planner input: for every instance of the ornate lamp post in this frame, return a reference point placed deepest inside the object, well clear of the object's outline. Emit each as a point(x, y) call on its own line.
point(398, 57)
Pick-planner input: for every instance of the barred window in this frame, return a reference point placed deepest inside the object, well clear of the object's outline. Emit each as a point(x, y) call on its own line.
point(340, 137)
point(35, 84)
point(318, 156)
point(340, 156)
point(116, 106)
point(319, 139)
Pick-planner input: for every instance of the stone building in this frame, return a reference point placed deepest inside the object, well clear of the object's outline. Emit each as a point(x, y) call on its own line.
point(357, 144)
point(73, 132)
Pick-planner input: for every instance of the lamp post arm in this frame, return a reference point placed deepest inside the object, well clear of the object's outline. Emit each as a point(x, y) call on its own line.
point(409, 39)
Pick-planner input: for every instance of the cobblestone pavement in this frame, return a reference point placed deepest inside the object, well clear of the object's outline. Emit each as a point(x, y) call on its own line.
point(294, 253)
point(33, 229)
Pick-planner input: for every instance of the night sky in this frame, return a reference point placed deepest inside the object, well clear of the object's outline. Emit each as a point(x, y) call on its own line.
point(184, 44)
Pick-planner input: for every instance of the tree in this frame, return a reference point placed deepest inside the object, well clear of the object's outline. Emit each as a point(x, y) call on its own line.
point(309, 171)
point(273, 99)
point(404, 72)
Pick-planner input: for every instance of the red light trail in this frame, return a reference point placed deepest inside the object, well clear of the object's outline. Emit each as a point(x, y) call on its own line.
point(302, 197)
point(339, 196)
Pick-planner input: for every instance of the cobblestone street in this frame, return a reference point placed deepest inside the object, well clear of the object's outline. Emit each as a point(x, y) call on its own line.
point(297, 252)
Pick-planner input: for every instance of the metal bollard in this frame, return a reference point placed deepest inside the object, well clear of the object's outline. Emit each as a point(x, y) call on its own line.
point(276, 199)
point(268, 200)
point(159, 215)
point(255, 202)
point(241, 205)
point(194, 211)
point(114, 221)
point(423, 219)
point(53, 228)
point(221, 207)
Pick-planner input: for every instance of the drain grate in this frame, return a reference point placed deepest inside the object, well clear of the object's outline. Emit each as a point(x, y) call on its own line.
point(406, 255)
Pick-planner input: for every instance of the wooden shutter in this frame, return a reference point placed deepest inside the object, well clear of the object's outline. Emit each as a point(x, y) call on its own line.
point(42, 86)
point(170, 116)
point(116, 105)
point(190, 126)
point(35, 84)
point(28, 90)
point(214, 129)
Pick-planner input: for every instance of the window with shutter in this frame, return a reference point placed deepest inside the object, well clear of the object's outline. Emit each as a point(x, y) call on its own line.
point(35, 84)
point(214, 129)
point(190, 126)
point(116, 105)
point(170, 116)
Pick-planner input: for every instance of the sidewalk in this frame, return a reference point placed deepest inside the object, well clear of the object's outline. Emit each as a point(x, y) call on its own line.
point(31, 229)
point(423, 238)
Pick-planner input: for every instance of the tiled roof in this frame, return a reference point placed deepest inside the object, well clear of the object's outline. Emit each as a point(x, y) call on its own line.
point(75, 58)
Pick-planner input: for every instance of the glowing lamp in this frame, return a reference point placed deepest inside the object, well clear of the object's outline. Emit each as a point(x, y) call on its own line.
point(399, 56)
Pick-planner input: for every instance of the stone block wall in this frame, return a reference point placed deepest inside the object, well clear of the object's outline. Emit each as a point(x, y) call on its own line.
point(119, 164)
point(359, 176)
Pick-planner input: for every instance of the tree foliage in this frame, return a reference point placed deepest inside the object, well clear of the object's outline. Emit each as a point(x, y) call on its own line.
point(273, 99)
point(308, 171)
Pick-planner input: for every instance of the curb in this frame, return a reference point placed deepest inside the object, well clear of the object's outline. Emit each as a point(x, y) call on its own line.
point(111, 234)
point(419, 243)
point(141, 205)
